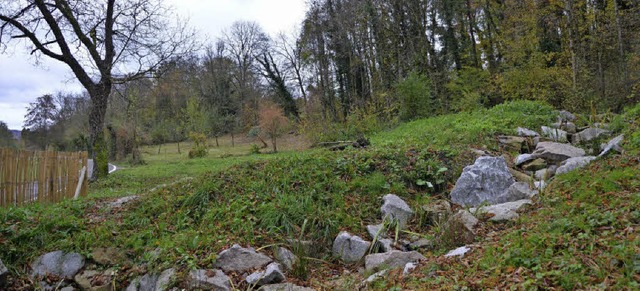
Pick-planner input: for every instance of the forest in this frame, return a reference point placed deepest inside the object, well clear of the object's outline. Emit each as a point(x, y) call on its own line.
point(357, 66)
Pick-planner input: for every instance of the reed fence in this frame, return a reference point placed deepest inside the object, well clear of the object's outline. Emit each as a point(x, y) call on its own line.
point(40, 176)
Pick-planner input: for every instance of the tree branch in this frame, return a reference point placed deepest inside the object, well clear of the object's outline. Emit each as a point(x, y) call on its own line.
point(32, 37)
point(66, 11)
point(67, 57)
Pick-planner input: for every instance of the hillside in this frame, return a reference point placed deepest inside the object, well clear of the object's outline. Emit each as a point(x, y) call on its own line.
point(580, 232)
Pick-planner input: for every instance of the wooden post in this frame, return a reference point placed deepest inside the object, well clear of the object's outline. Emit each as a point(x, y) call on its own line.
point(3, 177)
point(12, 180)
point(80, 182)
point(83, 192)
point(40, 176)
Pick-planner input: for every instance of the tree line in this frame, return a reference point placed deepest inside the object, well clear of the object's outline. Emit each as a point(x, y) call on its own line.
point(359, 65)
point(472, 53)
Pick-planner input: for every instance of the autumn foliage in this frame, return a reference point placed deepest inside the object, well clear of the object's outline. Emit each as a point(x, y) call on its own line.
point(273, 123)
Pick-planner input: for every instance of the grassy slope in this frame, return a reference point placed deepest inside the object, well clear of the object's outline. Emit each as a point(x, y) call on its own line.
point(311, 195)
point(583, 233)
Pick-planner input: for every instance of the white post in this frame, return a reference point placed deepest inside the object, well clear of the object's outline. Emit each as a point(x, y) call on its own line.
point(80, 181)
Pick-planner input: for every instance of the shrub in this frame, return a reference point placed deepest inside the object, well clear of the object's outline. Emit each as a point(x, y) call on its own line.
point(414, 93)
point(374, 117)
point(273, 122)
point(199, 149)
point(255, 149)
point(469, 88)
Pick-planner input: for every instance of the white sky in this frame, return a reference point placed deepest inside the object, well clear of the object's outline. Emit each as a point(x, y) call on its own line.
point(22, 80)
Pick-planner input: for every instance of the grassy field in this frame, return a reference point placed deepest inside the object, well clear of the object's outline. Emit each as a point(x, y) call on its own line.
point(584, 233)
point(169, 163)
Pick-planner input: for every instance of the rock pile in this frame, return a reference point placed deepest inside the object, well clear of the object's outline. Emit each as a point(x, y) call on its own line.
point(489, 186)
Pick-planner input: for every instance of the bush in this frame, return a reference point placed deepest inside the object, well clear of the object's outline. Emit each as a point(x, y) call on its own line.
point(374, 117)
point(254, 150)
point(414, 93)
point(199, 149)
point(552, 85)
point(469, 88)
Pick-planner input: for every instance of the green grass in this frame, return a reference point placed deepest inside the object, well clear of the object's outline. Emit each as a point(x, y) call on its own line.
point(477, 128)
point(265, 199)
point(171, 163)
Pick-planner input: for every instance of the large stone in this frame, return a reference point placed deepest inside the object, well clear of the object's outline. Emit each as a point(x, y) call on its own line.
point(535, 165)
point(166, 278)
point(523, 158)
point(513, 143)
point(543, 174)
point(614, 144)
point(483, 181)
point(350, 248)
point(396, 210)
point(271, 275)
point(94, 281)
point(517, 191)
point(437, 212)
point(376, 231)
point(153, 282)
point(286, 258)
point(391, 260)
point(589, 134)
point(569, 127)
point(574, 163)
point(526, 132)
point(546, 174)
point(385, 245)
point(284, 287)
point(520, 176)
point(237, 258)
point(209, 280)
point(4, 272)
point(555, 134)
point(58, 263)
point(459, 229)
point(144, 283)
point(565, 115)
point(108, 256)
point(557, 152)
point(503, 212)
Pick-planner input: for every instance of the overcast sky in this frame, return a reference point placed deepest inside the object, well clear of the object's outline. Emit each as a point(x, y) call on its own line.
point(22, 80)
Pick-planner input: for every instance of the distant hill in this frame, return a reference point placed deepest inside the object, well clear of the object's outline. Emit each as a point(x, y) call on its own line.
point(17, 134)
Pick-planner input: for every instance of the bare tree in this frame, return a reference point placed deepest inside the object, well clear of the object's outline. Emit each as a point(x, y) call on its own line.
point(289, 48)
point(103, 42)
point(244, 42)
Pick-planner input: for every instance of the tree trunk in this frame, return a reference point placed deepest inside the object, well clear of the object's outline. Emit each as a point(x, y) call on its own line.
point(217, 144)
point(233, 142)
point(472, 24)
point(572, 49)
point(623, 61)
point(264, 143)
point(179, 148)
point(159, 146)
point(275, 147)
point(98, 146)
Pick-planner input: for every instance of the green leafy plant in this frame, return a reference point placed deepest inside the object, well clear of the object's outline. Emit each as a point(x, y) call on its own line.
point(199, 149)
point(415, 97)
